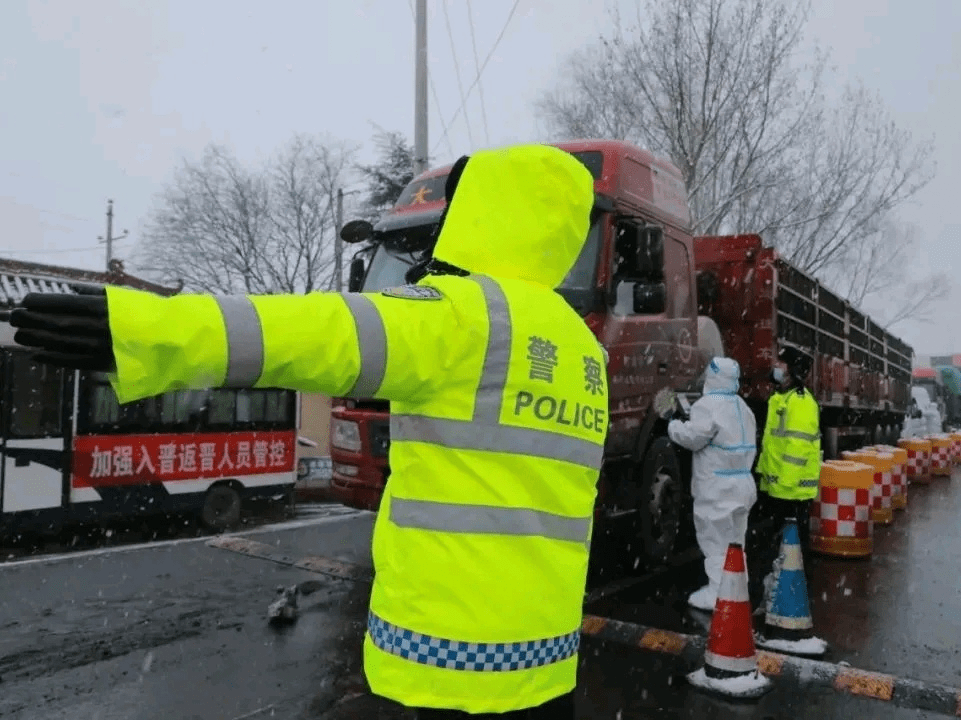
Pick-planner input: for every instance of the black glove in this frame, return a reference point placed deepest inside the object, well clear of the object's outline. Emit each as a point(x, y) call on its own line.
point(67, 330)
point(680, 411)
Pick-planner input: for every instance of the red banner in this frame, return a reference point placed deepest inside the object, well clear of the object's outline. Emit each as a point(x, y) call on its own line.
point(100, 460)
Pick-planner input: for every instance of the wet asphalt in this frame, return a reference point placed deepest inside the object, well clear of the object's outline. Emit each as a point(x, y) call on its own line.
point(178, 630)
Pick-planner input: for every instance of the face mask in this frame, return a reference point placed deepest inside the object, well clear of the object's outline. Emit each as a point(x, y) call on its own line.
point(778, 375)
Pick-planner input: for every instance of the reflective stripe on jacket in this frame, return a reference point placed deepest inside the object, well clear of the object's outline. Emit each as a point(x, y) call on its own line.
point(790, 462)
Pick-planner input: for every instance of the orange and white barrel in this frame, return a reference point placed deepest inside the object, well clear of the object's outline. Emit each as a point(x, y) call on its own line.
point(942, 448)
point(899, 475)
point(919, 458)
point(882, 509)
point(956, 442)
point(841, 515)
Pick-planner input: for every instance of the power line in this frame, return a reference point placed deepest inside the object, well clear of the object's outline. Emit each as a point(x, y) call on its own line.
point(59, 183)
point(50, 252)
point(433, 91)
point(62, 215)
point(460, 85)
point(486, 60)
point(480, 86)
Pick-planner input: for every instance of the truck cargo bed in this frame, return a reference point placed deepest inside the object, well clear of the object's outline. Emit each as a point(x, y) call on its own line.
point(859, 366)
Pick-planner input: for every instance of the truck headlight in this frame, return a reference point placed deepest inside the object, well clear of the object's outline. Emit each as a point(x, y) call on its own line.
point(345, 434)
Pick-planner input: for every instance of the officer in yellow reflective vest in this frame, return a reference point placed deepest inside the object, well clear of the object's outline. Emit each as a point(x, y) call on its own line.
point(498, 422)
point(790, 462)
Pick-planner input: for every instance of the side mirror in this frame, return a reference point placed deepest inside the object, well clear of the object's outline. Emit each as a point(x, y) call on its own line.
point(650, 252)
point(708, 292)
point(640, 249)
point(649, 298)
point(356, 278)
point(356, 231)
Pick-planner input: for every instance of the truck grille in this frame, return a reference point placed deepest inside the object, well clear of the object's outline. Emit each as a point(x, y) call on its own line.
point(379, 438)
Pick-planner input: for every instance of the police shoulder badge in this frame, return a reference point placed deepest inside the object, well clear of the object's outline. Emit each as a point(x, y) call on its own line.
point(413, 292)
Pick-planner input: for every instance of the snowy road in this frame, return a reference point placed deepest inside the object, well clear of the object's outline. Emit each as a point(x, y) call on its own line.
point(177, 629)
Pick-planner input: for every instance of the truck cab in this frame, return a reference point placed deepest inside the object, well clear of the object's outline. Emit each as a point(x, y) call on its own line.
point(634, 285)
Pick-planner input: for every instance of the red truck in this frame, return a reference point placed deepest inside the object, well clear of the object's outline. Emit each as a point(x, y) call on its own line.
point(662, 302)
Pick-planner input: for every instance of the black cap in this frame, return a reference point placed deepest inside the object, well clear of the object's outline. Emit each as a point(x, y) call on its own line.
point(798, 363)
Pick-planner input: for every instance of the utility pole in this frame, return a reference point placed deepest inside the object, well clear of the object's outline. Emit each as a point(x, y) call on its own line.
point(338, 243)
point(420, 89)
point(109, 239)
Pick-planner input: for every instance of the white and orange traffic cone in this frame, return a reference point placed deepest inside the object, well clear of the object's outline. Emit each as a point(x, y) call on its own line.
point(730, 660)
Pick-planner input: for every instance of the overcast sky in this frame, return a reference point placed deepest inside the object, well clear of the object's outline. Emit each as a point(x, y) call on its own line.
point(102, 98)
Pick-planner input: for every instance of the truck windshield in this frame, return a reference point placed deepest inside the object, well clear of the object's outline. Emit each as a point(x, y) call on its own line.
point(391, 260)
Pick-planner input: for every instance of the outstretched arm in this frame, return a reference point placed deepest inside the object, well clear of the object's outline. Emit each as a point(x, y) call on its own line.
point(332, 343)
point(350, 344)
point(696, 433)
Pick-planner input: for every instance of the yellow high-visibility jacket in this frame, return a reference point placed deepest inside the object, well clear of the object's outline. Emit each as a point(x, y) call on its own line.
point(790, 462)
point(499, 413)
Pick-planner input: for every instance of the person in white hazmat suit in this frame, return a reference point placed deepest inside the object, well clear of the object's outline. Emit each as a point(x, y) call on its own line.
point(722, 435)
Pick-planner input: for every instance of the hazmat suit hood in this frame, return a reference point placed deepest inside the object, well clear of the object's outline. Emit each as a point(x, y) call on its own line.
point(520, 212)
point(722, 376)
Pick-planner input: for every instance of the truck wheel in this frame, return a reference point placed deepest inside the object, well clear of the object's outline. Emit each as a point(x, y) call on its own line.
point(221, 507)
point(662, 498)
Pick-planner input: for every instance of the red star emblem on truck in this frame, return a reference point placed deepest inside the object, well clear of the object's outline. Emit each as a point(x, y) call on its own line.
point(420, 197)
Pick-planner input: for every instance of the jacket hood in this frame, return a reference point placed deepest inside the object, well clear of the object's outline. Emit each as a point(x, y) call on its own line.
point(722, 376)
point(520, 212)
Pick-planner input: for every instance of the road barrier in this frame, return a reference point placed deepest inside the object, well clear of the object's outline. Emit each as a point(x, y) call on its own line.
point(882, 511)
point(841, 514)
point(899, 475)
point(942, 449)
point(919, 459)
point(956, 442)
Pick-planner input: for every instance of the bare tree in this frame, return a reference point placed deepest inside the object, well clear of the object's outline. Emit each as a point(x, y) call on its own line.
point(878, 272)
point(721, 88)
point(305, 178)
point(220, 227)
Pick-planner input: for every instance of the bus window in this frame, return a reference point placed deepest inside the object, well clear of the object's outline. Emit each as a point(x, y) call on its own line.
point(148, 413)
point(36, 398)
point(183, 407)
point(104, 409)
point(278, 407)
point(216, 410)
point(250, 406)
point(107, 415)
point(221, 407)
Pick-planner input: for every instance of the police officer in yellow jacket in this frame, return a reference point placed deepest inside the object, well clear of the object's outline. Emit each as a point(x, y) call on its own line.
point(789, 465)
point(498, 420)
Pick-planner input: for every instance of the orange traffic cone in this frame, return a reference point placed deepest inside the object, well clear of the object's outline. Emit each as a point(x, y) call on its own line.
point(730, 661)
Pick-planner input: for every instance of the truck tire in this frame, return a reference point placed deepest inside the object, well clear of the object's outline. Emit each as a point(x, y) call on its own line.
point(221, 507)
point(662, 500)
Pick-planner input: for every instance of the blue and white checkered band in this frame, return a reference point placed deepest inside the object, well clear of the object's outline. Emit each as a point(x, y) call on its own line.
point(457, 655)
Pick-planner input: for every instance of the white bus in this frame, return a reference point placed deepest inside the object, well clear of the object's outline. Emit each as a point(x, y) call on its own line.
point(70, 453)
